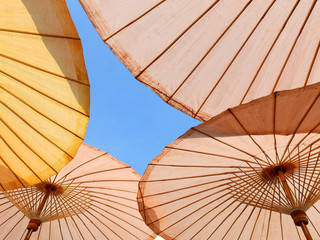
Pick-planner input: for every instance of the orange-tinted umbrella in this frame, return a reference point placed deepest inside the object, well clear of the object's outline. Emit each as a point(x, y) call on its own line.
point(241, 174)
point(44, 91)
point(94, 197)
point(204, 56)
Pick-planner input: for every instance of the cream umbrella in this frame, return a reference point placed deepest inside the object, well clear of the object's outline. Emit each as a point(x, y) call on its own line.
point(44, 91)
point(204, 56)
point(94, 197)
point(241, 174)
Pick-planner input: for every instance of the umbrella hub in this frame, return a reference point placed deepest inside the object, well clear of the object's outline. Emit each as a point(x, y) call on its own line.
point(299, 217)
point(271, 173)
point(54, 188)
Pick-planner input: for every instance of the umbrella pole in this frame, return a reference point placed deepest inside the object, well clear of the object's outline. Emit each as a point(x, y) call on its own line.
point(35, 223)
point(299, 216)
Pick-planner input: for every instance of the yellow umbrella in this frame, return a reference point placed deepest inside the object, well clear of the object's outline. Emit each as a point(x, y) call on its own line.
point(204, 56)
point(44, 91)
point(241, 174)
point(94, 197)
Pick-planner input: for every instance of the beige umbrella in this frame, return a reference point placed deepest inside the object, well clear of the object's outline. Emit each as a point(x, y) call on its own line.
point(44, 91)
point(204, 56)
point(94, 197)
point(241, 174)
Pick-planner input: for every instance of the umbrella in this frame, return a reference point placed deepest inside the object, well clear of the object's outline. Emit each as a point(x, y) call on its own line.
point(244, 174)
point(195, 54)
point(44, 91)
point(94, 197)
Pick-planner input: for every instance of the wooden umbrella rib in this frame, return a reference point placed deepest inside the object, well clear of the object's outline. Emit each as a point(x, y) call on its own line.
point(40, 34)
point(48, 118)
point(212, 154)
point(97, 172)
point(135, 20)
point(20, 158)
point(191, 195)
point(59, 229)
point(70, 216)
point(233, 147)
point(104, 216)
point(59, 180)
point(41, 134)
point(305, 176)
point(184, 188)
point(15, 175)
point(312, 63)
point(209, 50)
point(246, 222)
point(314, 227)
point(299, 124)
point(270, 49)
point(16, 224)
point(43, 70)
point(221, 211)
point(247, 132)
point(294, 44)
point(194, 166)
point(22, 141)
point(236, 55)
point(36, 90)
point(70, 207)
point(110, 195)
point(103, 223)
point(179, 36)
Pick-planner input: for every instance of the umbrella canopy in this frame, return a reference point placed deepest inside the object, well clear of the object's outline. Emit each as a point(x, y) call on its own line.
point(44, 91)
point(195, 54)
point(94, 197)
point(241, 174)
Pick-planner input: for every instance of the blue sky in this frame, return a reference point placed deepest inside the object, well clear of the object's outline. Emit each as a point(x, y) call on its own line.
point(127, 119)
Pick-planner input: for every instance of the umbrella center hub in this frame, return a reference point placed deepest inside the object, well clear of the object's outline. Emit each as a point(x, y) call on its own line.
point(271, 173)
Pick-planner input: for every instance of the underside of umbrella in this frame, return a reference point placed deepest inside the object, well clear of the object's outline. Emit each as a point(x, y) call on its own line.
point(204, 56)
point(249, 173)
point(44, 91)
point(94, 197)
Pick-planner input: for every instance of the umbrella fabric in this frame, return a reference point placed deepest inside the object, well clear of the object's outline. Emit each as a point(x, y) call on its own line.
point(204, 56)
point(44, 91)
point(94, 197)
point(221, 179)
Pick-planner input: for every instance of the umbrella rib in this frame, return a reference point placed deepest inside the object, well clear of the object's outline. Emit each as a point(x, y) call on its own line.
point(179, 36)
point(312, 63)
point(16, 154)
point(234, 147)
point(79, 166)
point(274, 124)
point(60, 229)
point(314, 227)
point(299, 124)
point(33, 129)
point(210, 154)
point(23, 216)
point(183, 188)
point(36, 90)
point(194, 166)
point(53, 121)
point(245, 224)
point(304, 149)
point(135, 20)
point(209, 50)
point(236, 55)
point(97, 172)
point(71, 208)
point(111, 195)
point(241, 202)
point(2, 160)
point(294, 44)
point(23, 142)
point(44, 70)
point(104, 216)
point(70, 215)
point(305, 176)
point(40, 34)
point(271, 48)
point(247, 132)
